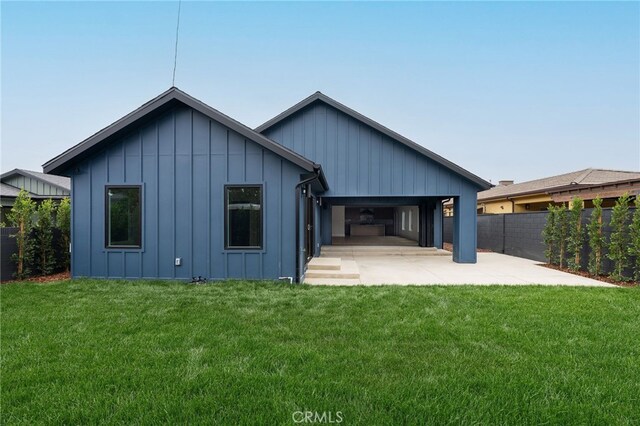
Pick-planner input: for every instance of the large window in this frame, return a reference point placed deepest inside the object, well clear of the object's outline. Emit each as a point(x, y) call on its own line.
point(123, 217)
point(243, 217)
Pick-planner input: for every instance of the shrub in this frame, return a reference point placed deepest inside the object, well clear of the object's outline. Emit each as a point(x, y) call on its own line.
point(21, 217)
point(63, 222)
point(619, 242)
point(576, 238)
point(549, 235)
point(634, 235)
point(45, 261)
point(561, 233)
point(596, 238)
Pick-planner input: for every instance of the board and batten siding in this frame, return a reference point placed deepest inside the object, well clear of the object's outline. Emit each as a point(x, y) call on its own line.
point(36, 186)
point(358, 160)
point(183, 159)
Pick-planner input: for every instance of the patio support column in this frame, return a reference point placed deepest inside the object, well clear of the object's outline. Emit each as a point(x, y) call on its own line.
point(325, 220)
point(464, 227)
point(437, 225)
point(423, 227)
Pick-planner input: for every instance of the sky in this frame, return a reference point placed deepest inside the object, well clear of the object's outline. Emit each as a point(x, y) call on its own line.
point(507, 90)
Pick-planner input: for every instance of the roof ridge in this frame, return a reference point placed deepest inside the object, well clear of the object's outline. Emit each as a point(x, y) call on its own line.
point(544, 178)
point(614, 170)
point(584, 175)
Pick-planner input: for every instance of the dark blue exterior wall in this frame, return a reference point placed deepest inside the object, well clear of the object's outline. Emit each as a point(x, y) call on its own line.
point(359, 160)
point(183, 159)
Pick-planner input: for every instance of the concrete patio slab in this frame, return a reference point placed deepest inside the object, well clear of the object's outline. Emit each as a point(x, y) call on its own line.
point(492, 268)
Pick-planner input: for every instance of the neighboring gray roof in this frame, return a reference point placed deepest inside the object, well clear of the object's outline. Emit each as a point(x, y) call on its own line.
point(162, 102)
point(574, 179)
point(318, 96)
point(61, 182)
point(8, 190)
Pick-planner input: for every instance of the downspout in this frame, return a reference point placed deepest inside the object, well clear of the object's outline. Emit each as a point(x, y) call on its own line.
point(298, 186)
point(442, 223)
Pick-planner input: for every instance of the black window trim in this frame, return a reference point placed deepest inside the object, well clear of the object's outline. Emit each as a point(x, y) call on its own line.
point(106, 218)
point(226, 217)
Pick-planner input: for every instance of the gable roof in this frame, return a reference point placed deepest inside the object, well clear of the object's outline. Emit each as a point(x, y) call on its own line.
point(60, 182)
point(579, 178)
point(9, 191)
point(161, 103)
point(321, 97)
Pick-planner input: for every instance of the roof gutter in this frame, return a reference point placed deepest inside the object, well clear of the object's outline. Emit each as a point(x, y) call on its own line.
point(317, 169)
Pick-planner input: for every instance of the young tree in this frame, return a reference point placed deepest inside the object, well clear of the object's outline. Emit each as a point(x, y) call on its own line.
point(43, 238)
point(596, 238)
point(561, 233)
point(576, 238)
point(619, 242)
point(21, 217)
point(634, 246)
point(63, 222)
point(549, 235)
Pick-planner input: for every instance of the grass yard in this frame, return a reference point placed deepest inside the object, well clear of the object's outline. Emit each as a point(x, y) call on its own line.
point(91, 351)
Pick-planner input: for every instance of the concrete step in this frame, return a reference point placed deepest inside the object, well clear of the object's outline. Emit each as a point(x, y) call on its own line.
point(338, 251)
point(348, 269)
point(332, 281)
point(324, 263)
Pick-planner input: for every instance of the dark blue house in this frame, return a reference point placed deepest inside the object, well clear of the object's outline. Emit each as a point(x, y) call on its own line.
point(177, 189)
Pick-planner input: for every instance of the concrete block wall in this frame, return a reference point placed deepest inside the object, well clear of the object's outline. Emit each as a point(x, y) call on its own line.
point(523, 235)
point(520, 234)
point(491, 232)
point(8, 246)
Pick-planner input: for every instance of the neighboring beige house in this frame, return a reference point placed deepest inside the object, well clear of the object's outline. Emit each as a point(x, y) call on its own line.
point(536, 195)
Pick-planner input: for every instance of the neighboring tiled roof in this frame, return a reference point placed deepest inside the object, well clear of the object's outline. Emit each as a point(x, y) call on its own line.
point(55, 180)
point(8, 190)
point(581, 177)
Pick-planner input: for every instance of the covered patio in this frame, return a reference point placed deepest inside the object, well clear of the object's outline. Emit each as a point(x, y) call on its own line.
point(387, 240)
point(381, 221)
point(439, 269)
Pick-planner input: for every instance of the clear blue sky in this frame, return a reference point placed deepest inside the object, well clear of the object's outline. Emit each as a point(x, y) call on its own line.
point(506, 90)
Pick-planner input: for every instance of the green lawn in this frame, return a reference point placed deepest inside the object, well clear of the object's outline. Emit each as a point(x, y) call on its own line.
point(91, 351)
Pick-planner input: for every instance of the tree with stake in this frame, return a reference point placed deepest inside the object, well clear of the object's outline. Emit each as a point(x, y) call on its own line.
point(21, 217)
point(561, 233)
point(576, 240)
point(549, 235)
point(634, 247)
point(596, 238)
point(63, 222)
point(43, 238)
point(619, 242)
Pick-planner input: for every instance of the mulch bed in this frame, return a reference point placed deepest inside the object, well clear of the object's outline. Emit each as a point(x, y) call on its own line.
point(449, 247)
point(585, 274)
point(44, 278)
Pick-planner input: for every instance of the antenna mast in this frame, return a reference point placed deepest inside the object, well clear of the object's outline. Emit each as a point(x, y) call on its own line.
point(175, 55)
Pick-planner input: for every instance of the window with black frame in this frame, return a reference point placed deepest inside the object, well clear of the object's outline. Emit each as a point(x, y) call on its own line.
point(123, 217)
point(243, 217)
